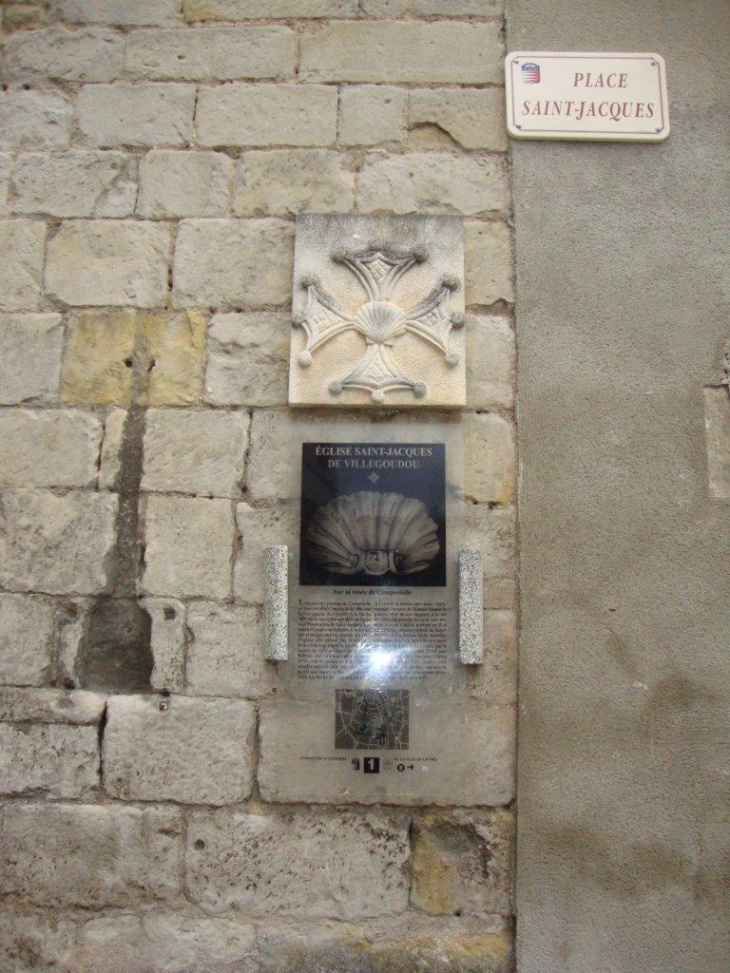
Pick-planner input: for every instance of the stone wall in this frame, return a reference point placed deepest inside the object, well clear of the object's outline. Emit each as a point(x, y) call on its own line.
point(153, 156)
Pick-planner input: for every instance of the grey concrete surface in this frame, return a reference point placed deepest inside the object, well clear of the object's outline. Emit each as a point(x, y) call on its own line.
point(622, 313)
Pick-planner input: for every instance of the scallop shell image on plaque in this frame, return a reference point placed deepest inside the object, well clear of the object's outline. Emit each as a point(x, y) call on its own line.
point(373, 533)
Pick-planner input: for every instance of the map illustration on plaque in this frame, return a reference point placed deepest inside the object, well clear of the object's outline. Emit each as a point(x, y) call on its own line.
point(371, 719)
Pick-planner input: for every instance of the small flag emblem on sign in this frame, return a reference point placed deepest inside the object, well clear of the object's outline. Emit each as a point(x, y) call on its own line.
point(530, 73)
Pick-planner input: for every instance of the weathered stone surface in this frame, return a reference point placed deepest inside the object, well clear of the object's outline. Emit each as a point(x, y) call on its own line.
point(173, 184)
point(458, 8)
point(55, 544)
point(189, 547)
point(21, 243)
point(34, 119)
point(27, 635)
point(193, 751)
point(211, 53)
point(59, 54)
point(195, 452)
point(75, 184)
point(370, 114)
point(238, 114)
point(489, 275)
point(299, 862)
point(287, 182)
point(55, 706)
point(462, 862)
point(122, 12)
point(104, 349)
point(90, 856)
point(717, 433)
point(167, 643)
point(30, 358)
point(225, 655)
point(429, 181)
point(233, 262)
point(473, 117)
point(384, 8)
point(50, 761)
point(100, 262)
point(250, 9)
point(6, 164)
point(111, 445)
point(491, 531)
point(141, 114)
point(48, 448)
point(490, 362)
point(489, 458)
point(401, 51)
point(500, 593)
point(259, 528)
point(248, 359)
point(39, 935)
point(270, 472)
point(496, 679)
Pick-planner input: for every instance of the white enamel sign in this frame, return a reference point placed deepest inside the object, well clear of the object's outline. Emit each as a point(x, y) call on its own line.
point(595, 97)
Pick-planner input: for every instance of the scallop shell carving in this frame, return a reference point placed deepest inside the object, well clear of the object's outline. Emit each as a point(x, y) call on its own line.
point(374, 533)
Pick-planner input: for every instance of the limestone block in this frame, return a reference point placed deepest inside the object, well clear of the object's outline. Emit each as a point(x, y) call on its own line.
point(473, 117)
point(75, 184)
point(458, 8)
point(404, 51)
point(49, 761)
point(140, 114)
point(211, 53)
point(462, 862)
point(489, 458)
point(34, 119)
point(233, 262)
point(239, 114)
point(489, 275)
point(490, 362)
point(496, 680)
point(500, 593)
point(384, 8)
point(430, 181)
point(31, 346)
point(189, 547)
point(58, 54)
point(106, 349)
point(173, 184)
point(56, 544)
point(111, 446)
point(251, 9)
point(193, 751)
point(270, 473)
point(286, 182)
point(27, 636)
point(195, 452)
point(100, 262)
point(491, 531)
point(717, 437)
point(90, 856)
point(50, 448)
point(6, 164)
point(305, 863)
point(51, 706)
point(122, 12)
point(248, 359)
point(167, 643)
point(225, 656)
point(370, 114)
point(21, 243)
point(259, 528)
point(43, 936)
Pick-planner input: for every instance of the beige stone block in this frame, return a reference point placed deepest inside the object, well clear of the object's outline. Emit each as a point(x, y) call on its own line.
point(174, 184)
point(21, 244)
point(111, 445)
point(404, 51)
point(55, 706)
point(140, 114)
point(495, 681)
point(31, 346)
point(270, 473)
point(75, 184)
point(384, 8)
point(167, 643)
point(458, 8)
point(248, 359)
point(305, 863)
point(189, 547)
point(489, 458)
point(259, 528)
point(462, 862)
point(491, 531)
point(489, 273)
point(500, 593)
point(717, 427)
point(48, 448)
point(370, 114)
point(58, 54)
point(263, 115)
point(121, 12)
point(211, 53)
point(44, 936)
point(225, 656)
point(251, 9)
point(433, 182)
point(490, 362)
point(27, 638)
point(99, 262)
point(90, 856)
point(195, 452)
point(21, 15)
point(56, 544)
point(289, 181)
point(34, 119)
point(473, 117)
point(6, 165)
point(233, 262)
point(49, 761)
point(192, 751)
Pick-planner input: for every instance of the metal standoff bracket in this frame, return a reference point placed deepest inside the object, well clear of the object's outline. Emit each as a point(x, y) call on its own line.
point(276, 610)
point(471, 603)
